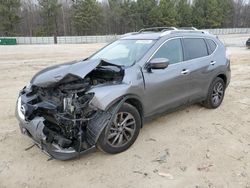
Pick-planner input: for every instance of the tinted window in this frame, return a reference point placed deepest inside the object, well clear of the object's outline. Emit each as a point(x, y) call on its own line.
point(212, 45)
point(195, 48)
point(171, 50)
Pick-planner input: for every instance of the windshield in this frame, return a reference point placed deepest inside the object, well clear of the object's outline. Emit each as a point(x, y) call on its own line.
point(124, 52)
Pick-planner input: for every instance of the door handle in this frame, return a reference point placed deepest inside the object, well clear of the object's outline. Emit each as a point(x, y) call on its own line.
point(184, 71)
point(212, 62)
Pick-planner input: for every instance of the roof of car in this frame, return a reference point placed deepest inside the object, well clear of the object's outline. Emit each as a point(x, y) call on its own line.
point(153, 34)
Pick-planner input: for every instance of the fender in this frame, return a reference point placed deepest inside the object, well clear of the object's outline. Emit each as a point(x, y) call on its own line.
point(105, 118)
point(102, 120)
point(107, 95)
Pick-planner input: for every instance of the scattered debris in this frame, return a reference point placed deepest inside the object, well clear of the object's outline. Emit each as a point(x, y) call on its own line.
point(183, 168)
point(240, 140)
point(50, 159)
point(211, 185)
point(208, 154)
point(28, 148)
point(87, 163)
point(2, 138)
point(204, 167)
point(151, 139)
point(230, 132)
point(155, 170)
point(167, 175)
point(163, 158)
point(139, 172)
point(242, 174)
point(137, 156)
point(238, 159)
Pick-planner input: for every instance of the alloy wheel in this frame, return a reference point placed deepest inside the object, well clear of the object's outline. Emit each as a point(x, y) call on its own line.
point(122, 129)
point(217, 94)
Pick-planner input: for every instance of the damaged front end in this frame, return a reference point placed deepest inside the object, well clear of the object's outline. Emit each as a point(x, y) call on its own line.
point(58, 116)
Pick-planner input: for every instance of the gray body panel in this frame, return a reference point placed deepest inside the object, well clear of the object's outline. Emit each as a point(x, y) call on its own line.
point(162, 90)
point(158, 90)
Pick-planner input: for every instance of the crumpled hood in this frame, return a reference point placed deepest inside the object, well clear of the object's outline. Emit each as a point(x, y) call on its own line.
point(64, 72)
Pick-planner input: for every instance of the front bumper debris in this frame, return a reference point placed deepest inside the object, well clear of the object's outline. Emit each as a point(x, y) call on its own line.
point(34, 129)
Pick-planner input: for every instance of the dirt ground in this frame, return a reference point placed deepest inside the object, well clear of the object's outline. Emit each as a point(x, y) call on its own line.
point(191, 148)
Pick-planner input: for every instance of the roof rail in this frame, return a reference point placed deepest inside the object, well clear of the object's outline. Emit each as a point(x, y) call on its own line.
point(168, 30)
point(187, 28)
point(184, 31)
point(127, 34)
point(155, 29)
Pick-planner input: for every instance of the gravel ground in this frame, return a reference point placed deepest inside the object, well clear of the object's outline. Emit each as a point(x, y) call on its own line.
point(193, 147)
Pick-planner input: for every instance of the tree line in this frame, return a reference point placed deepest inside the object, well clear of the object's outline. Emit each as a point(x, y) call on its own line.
point(91, 17)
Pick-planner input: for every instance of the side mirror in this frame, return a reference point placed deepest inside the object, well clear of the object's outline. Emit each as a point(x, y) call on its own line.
point(158, 63)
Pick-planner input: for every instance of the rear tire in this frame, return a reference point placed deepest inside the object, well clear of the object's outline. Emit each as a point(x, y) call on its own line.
point(122, 132)
point(215, 94)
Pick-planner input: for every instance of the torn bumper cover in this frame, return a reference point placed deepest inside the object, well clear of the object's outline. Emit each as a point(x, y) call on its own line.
point(36, 129)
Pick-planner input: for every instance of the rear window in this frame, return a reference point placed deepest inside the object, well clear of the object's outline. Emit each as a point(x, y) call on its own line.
point(211, 45)
point(195, 48)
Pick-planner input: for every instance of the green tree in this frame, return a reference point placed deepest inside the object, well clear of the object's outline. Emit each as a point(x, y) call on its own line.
point(226, 10)
point(115, 16)
point(209, 13)
point(86, 17)
point(213, 16)
point(169, 13)
point(155, 17)
point(184, 13)
point(9, 16)
point(129, 16)
point(146, 10)
point(199, 12)
point(49, 12)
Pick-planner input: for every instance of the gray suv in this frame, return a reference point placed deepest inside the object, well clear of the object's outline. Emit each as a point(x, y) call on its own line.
point(102, 101)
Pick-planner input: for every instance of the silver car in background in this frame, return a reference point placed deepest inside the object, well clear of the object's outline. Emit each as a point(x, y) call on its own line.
point(102, 101)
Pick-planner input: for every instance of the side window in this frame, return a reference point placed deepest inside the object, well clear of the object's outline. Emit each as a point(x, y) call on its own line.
point(171, 50)
point(211, 45)
point(195, 48)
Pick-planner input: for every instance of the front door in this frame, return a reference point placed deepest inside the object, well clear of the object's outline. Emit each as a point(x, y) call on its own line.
point(167, 88)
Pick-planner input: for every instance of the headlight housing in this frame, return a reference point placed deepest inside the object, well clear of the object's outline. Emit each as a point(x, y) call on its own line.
point(20, 109)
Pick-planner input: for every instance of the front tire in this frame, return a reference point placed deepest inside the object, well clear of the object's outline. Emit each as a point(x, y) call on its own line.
point(122, 132)
point(215, 94)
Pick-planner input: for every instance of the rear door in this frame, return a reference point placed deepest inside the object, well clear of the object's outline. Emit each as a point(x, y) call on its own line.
point(196, 54)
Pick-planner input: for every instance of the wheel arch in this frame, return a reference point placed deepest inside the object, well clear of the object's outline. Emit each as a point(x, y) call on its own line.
point(223, 77)
point(131, 99)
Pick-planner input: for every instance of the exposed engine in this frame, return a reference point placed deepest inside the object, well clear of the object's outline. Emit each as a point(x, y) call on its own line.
point(65, 105)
